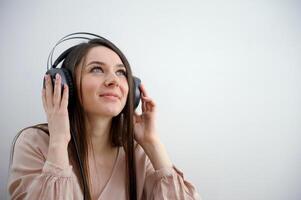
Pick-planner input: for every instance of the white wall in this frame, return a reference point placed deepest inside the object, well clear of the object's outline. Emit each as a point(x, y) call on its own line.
point(225, 76)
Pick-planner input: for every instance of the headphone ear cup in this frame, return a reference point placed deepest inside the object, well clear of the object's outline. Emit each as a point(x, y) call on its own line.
point(66, 78)
point(137, 93)
point(69, 81)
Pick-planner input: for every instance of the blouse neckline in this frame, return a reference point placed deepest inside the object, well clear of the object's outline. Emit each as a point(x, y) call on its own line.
point(111, 176)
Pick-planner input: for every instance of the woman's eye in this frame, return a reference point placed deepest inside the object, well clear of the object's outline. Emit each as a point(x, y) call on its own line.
point(121, 72)
point(96, 69)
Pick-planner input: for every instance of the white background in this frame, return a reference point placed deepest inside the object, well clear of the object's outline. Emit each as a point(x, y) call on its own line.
point(225, 76)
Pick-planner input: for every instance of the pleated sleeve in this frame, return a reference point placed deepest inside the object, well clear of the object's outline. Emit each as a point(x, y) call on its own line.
point(32, 176)
point(168, 183)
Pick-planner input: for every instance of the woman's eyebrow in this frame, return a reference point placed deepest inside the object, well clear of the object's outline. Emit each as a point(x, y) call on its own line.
point(102, 63)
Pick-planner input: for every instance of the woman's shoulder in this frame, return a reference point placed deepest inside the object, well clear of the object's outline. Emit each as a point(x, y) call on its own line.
point(140, 154)
point(33, 134)
point(33, 138)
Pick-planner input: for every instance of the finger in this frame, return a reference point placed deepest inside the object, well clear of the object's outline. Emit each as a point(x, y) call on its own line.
point(143, 90)
point(147, 99)
point(151, 106)
point(143, 106)
point(149, 103)
point(49, 91)
point(57, 91)
point(64, 102)
point(44, 99)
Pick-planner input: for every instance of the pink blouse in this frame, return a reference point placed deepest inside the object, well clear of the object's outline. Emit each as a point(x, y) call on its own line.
point(33, 177)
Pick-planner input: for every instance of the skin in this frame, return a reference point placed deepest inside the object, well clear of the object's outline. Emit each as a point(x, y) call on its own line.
point(99, 111)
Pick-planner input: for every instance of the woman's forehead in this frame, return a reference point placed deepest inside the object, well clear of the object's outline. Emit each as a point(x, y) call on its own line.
point(103, 54)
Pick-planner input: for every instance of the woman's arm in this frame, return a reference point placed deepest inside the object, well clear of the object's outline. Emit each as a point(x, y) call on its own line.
point(157, 154)
point(33, 176)
point(47, 175)
point(163, 180)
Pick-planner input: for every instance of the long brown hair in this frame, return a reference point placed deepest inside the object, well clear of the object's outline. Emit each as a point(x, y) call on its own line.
point(121, 132)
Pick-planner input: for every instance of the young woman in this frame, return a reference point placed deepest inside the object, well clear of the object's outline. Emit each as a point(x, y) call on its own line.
point(121, 152)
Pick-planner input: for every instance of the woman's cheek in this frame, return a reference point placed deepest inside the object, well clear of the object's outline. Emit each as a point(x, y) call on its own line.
point(89, 91)
point(124, 88)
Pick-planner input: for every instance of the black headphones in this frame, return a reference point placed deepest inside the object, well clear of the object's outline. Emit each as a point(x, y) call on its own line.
point(65, 74)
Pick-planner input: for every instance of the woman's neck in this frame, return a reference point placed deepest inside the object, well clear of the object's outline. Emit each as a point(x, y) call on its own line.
point(99, 131)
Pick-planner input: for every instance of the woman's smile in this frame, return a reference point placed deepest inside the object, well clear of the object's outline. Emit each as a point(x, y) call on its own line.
point(110, 96)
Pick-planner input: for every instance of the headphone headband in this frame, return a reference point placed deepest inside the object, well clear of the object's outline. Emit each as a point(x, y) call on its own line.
point(71, 36)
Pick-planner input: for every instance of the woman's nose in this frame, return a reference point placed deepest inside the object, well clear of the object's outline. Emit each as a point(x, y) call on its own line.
point(111, 79)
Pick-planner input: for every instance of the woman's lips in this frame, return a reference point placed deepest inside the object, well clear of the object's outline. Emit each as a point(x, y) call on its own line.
point(110, 96)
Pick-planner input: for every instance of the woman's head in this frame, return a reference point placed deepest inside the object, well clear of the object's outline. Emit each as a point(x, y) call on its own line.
point(102, 78)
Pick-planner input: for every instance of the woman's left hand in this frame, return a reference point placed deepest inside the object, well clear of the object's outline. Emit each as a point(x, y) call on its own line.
point(144, 124)
point(146, 133)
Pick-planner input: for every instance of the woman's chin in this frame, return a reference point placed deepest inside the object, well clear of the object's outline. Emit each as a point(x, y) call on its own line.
point(109, 112)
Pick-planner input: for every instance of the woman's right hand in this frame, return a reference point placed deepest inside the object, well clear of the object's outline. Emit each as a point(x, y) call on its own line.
point(56, 109)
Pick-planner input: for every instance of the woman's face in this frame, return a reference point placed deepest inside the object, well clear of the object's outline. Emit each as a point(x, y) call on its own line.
point(104, 82)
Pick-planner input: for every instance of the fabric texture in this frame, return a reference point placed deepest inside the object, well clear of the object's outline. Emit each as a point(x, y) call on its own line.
point(33, 177)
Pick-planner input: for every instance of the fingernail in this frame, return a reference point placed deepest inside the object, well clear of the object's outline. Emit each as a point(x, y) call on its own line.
point(57, 76)
point(47, 78)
